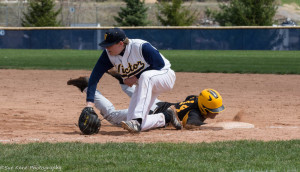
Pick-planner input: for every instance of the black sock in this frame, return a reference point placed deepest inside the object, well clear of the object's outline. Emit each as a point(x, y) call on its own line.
point(139, 120)
point(117, 76)
point(167, 117)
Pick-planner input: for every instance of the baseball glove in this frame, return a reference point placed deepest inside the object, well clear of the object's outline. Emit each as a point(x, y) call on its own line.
point(88, 122)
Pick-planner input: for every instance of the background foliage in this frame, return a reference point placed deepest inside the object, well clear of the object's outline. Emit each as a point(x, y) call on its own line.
point(103, 11)
point(246, 13)
point(134, 14)
point(174, 14)
point(41, 13)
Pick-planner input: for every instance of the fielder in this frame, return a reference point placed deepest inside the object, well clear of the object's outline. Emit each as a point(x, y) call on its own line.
point(107, 109)
point(140, 64)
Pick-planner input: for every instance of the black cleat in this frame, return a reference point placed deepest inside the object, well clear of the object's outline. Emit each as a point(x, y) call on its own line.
point(174, 118)
point(116, 75)
point(81, 82)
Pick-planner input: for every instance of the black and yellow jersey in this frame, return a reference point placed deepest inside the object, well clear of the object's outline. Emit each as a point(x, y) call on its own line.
point(191, 102)
point(188, 111)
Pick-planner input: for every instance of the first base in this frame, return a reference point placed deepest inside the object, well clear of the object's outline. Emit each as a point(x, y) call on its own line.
point(226, 125)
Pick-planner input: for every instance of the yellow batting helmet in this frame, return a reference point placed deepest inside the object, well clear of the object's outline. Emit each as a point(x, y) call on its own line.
point(210, 100)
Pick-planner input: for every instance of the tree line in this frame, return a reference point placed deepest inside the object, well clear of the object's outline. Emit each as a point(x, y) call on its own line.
point(170, 13)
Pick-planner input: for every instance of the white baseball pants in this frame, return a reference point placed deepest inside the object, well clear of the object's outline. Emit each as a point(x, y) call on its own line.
point(150, 85)
point(107, 109)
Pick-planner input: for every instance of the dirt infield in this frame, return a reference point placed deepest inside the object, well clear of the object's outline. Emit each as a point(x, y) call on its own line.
point(38, 106)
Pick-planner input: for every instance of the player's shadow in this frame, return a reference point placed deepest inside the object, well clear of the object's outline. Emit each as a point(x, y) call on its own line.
point(72, 133)
point(113, 133)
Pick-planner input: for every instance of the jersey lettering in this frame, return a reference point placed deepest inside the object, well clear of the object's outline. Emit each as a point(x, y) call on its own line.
point(131, 68)
point(186, 102)
point(182, 108)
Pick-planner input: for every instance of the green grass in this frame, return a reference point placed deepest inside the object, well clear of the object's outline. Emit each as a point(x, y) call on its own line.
point(241, 156)
point(218, 156)
point(47, 59)
point(290, 1)
point(276, 62)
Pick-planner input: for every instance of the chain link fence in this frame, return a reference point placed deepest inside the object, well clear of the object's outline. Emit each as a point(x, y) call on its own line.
point(74, 12)
point(11, 12)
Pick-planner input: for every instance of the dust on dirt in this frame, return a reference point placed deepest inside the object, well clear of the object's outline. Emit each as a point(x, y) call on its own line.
point(239, 116)
point(39, 106)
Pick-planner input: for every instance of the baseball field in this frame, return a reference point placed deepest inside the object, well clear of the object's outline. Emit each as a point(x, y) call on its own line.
point(39, 113)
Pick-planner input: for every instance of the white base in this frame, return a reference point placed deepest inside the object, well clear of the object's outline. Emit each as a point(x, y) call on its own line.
point(226, 125)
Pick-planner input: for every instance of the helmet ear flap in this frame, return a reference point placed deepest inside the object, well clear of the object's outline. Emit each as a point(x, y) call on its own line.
point(200, 105)
point(203, 111)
